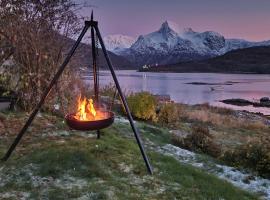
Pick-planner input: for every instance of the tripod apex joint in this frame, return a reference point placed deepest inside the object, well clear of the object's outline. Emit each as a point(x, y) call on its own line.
point(91, 23)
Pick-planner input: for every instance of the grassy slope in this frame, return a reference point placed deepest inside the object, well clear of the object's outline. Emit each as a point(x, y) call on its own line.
point(73, 166)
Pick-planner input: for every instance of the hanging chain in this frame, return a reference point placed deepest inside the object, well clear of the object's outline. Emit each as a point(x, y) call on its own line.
point(113, 97)
point(97, 60)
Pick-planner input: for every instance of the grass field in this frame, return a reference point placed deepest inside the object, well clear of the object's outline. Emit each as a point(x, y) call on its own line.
point(53, 162)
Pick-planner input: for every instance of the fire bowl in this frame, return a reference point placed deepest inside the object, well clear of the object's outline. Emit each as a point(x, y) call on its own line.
point(73, 123)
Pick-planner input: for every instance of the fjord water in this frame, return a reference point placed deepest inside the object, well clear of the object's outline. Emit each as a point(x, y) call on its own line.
point(215, 87)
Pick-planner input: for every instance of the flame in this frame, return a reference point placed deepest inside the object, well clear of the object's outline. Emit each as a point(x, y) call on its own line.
point(85, 110)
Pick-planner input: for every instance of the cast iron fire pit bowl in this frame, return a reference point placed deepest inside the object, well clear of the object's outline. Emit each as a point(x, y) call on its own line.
point(89, 125)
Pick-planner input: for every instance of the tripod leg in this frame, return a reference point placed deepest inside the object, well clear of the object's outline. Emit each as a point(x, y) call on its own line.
point(98, 134)
point(43, 97)
point(94, 64)
point(136, 133)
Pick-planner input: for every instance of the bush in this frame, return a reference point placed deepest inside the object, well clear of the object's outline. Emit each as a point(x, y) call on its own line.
point(254, 155)
point(199, 140)
point(38, 39)
point(169, 114)
point(142, 105)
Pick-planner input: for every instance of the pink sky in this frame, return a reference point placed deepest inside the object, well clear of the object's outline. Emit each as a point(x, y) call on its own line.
point(246, 19)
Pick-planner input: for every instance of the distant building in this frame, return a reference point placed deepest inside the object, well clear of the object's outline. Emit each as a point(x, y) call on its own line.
point(145, 67)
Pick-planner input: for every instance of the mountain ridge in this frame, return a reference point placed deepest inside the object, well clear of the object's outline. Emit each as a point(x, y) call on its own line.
point(169, 45)
point(118, 41)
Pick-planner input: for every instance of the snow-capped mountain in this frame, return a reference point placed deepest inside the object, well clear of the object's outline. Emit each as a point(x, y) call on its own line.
point(171, 45)
point(118, 42)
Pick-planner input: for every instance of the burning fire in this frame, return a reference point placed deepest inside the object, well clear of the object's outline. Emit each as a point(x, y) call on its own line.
point(86, 110)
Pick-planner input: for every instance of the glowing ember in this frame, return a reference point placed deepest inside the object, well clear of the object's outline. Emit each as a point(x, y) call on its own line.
point(86, 110)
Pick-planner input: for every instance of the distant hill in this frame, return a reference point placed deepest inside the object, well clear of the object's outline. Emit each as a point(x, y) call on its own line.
point(248, 60)
point(83, 57)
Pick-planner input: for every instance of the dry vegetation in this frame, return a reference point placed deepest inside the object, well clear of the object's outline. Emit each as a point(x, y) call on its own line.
point(219, 132)
point(241, 141)
point(199, 140)
point(219, 117)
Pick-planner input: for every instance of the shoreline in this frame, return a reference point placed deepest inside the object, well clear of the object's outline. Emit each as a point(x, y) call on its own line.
point(194, 72)
point(244, 103)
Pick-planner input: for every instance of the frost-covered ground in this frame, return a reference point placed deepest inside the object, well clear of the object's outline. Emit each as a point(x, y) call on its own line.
point(122, 120)
point(238, 178)
point(27, 181)
point(68, 183)
point(241, 179)
point(26, 175)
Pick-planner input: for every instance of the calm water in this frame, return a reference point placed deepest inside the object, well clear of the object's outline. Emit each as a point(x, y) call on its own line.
point(245, 86)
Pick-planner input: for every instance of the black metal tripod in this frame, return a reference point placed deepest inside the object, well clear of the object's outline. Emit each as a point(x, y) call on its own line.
point(94, 27)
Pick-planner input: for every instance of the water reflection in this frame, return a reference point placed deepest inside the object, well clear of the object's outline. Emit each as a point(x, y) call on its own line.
point(246, 86)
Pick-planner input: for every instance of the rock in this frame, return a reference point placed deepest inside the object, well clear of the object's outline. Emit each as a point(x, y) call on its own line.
point(179, 133)
point(262, 104)
point(264, 99)
point(238, 102)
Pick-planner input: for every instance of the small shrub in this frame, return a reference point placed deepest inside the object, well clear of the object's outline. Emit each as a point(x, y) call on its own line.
point(199, 140)
point(169, 114)
point(253, 155)
point(108, 90)
point(142, 105)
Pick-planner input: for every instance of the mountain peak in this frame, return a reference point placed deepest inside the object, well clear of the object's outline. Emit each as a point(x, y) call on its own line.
point(188, 30)
point(169, 26)
point(118, 41)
